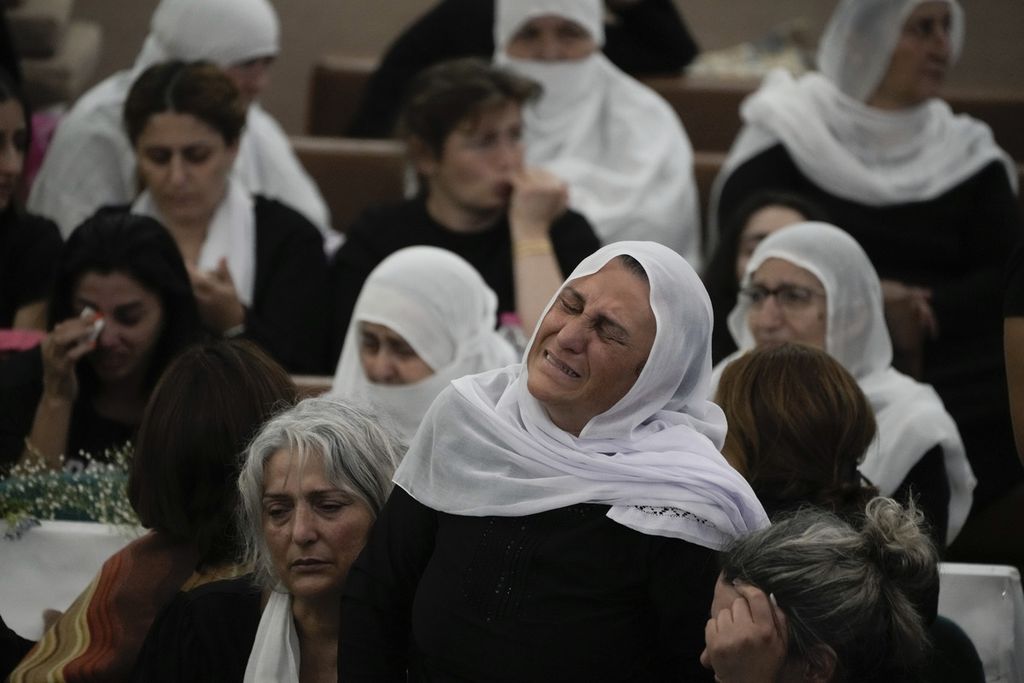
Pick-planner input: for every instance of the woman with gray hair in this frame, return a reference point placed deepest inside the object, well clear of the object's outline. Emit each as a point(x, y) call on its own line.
point(811, 598)
point(314, 480)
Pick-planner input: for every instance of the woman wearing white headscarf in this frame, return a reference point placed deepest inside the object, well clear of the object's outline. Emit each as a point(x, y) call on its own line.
point(620, 147)
point(927, 194)
point(556, 519)
point(440, 307)
point(912, 421)
point(90, 162)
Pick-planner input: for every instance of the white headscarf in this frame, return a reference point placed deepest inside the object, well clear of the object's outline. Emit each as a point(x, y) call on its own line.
point(487, 446)
point(443, 308)
point(848, 148)
point(91, 163)
point(231, 235)
point(910, 415)
point(618, 144)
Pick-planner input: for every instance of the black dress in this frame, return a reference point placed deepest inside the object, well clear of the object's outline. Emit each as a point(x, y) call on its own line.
point(647, 37)
point(956, 245)
point(204, 635)
point(564, 595)
point(29, 250)
point(383, 230)
point(290, 299)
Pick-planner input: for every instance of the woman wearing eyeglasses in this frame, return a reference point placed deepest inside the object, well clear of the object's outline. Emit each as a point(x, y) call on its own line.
point(812, 284)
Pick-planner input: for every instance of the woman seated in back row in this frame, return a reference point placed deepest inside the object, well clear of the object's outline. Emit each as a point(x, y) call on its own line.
point(121, 309)
point(811, 283)
point(257, 266)
point(463, 125)
point(617, 144)
point(424, 318)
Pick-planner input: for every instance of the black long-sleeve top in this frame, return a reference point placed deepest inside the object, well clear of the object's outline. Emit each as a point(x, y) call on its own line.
point(563, 595)
point(647, 37)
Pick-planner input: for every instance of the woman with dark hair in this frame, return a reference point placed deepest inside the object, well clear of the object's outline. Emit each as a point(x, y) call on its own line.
point(798, 427)
point(121, 309)
point(759, 216)
point(257, 266)
point(204, 410)
point(28, 244)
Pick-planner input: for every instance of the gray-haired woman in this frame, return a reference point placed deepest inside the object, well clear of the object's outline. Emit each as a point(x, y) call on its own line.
point(314, 479)
point(812, 598)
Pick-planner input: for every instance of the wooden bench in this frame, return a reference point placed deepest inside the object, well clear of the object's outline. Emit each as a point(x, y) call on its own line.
point(709, 107)
point(353, 174)
point(336, 86)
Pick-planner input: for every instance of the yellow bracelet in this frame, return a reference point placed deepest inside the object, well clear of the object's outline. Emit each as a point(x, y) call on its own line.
point(535, 247)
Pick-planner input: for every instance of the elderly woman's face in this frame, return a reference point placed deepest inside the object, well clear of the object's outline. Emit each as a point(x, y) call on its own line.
point(787, 304)
point(919, 63)
point(551, 38)
point(387, 358)
point(185, 164)
point(314, 529)
point(591, 345)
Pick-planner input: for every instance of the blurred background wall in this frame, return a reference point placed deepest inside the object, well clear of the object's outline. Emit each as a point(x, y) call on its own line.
point(993, 55)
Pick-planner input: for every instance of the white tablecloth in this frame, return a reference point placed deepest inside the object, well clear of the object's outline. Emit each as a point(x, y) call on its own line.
point(49, 566)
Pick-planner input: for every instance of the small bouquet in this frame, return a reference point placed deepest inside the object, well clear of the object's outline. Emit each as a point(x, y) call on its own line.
point(97, 492)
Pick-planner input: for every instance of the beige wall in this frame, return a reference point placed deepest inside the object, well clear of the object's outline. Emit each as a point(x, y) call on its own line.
point(993, 56)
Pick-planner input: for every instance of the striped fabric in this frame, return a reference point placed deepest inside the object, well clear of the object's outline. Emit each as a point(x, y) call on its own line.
point(99, 637)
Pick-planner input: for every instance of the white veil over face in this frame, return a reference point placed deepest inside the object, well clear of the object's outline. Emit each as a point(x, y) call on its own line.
point(443, 308)
point(860, 38)
point(910, 415)
point(618, 144)
point(487, 447)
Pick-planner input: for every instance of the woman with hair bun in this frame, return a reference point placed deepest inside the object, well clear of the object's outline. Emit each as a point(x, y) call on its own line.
point(814, 598)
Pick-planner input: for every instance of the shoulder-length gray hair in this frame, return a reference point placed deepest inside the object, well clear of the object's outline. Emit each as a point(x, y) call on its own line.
point(359, 456)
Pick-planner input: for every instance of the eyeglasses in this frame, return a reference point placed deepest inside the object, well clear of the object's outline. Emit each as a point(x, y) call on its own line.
point(789, 297)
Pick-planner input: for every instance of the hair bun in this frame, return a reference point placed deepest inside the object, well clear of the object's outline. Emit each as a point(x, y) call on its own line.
point(896, 541)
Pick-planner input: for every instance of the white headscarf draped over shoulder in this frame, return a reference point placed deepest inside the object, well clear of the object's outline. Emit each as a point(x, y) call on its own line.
point(445, 311)
point(853, 150)
point(487, 446)
point(910, 415)
point(91, 162)
point(618, 144)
